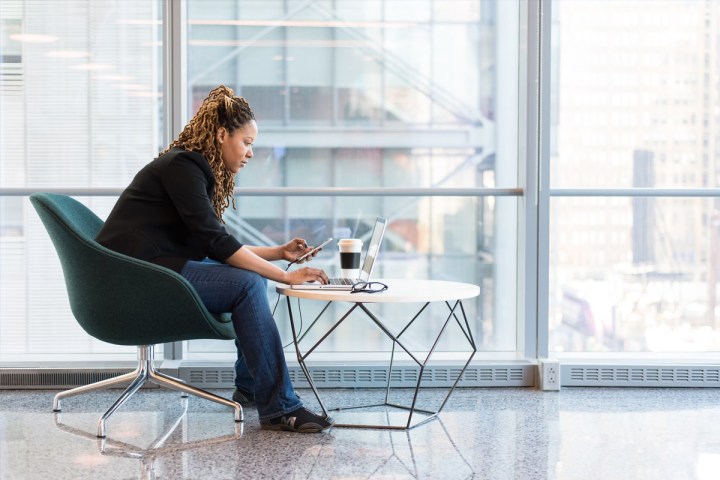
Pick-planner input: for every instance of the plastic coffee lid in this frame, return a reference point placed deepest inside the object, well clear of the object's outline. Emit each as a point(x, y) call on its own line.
point(347, 242)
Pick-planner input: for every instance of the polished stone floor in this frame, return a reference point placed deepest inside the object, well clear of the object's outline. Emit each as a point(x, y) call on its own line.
point(521, 433)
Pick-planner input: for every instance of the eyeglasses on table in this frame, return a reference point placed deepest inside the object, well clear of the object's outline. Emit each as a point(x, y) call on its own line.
point(368, 287)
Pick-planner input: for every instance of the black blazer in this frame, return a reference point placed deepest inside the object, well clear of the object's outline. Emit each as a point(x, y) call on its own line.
point(166, 215)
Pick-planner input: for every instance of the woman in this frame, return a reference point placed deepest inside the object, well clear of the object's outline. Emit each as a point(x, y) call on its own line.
point(171, 215)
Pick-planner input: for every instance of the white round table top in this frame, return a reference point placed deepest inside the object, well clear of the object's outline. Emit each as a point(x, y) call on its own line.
point(399, 290)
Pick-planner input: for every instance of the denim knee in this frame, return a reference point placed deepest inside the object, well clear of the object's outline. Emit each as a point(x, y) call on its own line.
point(256, 282)
point(254, 290)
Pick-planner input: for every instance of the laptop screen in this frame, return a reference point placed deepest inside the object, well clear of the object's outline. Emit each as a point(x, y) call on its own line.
point(373, 248)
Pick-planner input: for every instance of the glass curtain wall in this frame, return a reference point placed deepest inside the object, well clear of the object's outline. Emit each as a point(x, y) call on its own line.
point(391, 94)
point(80, 109)
point(375, 94)
point(348, 93)
point(634, 239)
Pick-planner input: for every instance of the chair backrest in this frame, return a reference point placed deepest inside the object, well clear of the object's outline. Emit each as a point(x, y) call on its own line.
point(116, 298)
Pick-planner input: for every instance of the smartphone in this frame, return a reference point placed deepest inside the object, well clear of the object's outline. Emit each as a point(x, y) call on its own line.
point(303, 257)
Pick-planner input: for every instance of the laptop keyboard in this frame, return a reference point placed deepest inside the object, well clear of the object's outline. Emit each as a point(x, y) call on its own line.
point(341, 281)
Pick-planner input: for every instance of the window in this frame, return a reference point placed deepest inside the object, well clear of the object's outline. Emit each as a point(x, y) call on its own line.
point(375, 94)
point(629, 77)
point(80, 103)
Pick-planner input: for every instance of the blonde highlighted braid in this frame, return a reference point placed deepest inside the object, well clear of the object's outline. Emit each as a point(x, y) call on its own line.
point(221, 108)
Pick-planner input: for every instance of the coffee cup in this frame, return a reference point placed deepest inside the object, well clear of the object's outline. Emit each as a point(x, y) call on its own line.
point(350, 249)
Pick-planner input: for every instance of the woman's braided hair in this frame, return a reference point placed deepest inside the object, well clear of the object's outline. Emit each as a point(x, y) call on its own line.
point(221, 108)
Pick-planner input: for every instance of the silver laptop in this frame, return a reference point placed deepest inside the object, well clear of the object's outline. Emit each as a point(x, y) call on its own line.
point(367, 267)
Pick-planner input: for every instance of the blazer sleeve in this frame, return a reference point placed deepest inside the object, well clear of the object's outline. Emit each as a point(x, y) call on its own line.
point(187, 185)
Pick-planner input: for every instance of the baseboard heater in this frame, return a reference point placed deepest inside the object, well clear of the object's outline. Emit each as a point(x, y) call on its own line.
point(580, 375)
point(370, 376)
point(358, 376)
point(350, 376)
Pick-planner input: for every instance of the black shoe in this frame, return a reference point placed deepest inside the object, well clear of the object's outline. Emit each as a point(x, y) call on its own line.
point(242, 397)
point(301, 420)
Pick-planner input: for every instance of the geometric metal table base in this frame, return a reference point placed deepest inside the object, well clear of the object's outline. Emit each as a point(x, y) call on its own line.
point(145, 371)
point(412, 409)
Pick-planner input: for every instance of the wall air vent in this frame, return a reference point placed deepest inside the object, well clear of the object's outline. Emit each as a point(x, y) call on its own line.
point(210, 377)
point(41, 379)
point(363, 376)
point(347, 376)
point(639, 376)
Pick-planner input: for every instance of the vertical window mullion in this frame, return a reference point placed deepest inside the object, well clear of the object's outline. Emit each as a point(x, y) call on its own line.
point(176, 94)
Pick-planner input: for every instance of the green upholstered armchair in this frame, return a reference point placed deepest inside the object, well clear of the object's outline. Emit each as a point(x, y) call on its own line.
point(125, 301)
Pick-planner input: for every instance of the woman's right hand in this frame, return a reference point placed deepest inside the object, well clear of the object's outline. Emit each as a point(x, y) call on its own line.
point(306, 274)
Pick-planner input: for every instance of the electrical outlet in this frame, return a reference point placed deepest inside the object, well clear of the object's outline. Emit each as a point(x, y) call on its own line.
point(549, 374)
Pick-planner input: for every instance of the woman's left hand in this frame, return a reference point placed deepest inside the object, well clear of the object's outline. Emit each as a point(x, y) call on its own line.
point(296, 248)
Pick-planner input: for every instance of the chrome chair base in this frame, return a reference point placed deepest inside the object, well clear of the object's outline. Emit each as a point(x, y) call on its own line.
point(145, 371)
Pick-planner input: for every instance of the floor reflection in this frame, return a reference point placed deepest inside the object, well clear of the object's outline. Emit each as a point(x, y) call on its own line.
point(589, 434)
point(428, 451)
point(174, 438)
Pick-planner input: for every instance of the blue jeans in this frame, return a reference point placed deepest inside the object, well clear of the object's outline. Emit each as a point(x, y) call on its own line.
point(260, 366)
